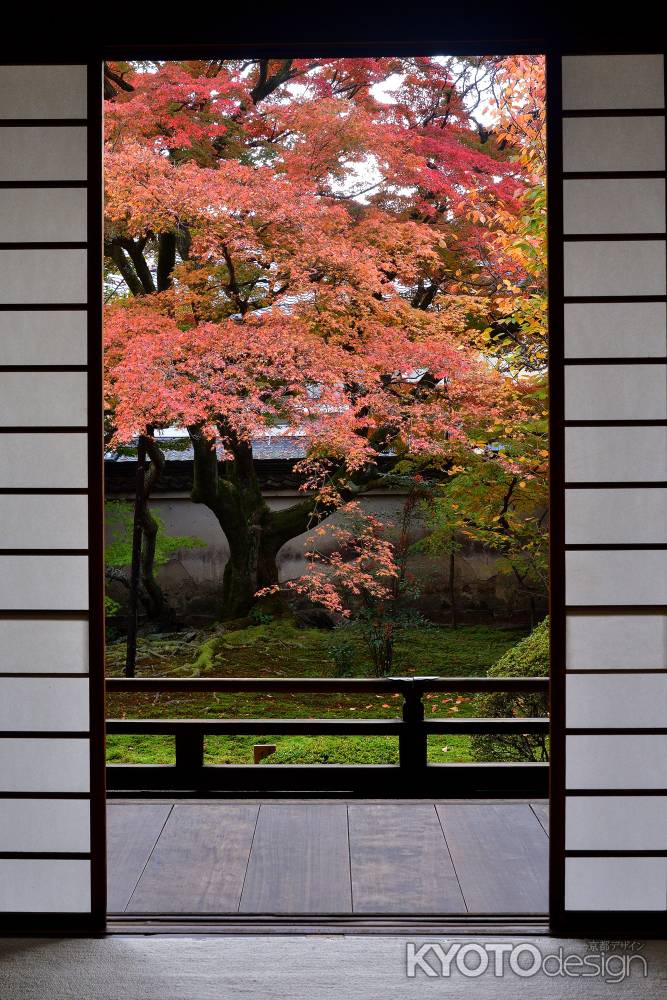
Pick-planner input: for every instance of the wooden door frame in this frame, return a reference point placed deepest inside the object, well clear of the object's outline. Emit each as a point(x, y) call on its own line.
point(486, 31)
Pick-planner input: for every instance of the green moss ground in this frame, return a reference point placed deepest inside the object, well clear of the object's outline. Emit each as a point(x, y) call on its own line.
point(280, 649)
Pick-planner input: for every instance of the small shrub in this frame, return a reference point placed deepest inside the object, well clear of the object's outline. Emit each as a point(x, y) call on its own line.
point(111, 607)
point(529, 658)
point(344, 655)
point(259, 617)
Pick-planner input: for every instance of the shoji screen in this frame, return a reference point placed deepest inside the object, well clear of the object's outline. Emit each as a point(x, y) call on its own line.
point(51, 673)
point(609, 383)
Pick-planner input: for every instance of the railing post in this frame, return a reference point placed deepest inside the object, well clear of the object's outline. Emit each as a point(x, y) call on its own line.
point(412, 747)
point(190, 758)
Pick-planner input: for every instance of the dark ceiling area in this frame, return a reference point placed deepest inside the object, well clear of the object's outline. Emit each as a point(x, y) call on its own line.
point(277, 29)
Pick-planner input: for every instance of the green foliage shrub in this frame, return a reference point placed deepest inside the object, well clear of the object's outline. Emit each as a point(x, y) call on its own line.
point(344, 654)
point(529, 658)
point(259, 617)
point(111, 607)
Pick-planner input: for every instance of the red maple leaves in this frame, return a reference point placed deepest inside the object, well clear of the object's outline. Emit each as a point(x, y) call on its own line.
point(327, 264)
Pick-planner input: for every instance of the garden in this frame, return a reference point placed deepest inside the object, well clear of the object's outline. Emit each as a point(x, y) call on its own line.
point(325, 391)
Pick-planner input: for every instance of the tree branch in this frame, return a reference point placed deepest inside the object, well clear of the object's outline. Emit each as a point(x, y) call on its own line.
point(115, 252)
point(135, 253)
point(166, 260)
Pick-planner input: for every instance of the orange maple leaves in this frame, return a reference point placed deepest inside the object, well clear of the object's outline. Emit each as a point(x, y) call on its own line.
point(328, 261)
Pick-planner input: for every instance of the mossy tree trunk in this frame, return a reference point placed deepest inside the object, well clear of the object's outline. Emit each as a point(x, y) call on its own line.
point(254, 532)
point(142, 583)
point(158, 608)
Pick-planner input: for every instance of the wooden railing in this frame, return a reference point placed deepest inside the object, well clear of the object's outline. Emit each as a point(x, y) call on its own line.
point(412, 776)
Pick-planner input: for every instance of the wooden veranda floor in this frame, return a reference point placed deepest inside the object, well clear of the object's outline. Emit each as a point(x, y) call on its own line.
point(327, 857)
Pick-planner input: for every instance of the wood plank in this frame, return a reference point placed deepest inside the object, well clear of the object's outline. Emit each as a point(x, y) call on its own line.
point(400, 862)
point(500, 854)
point(299, 861)
point(199, 862)
point(132, 832)
point(541, 810)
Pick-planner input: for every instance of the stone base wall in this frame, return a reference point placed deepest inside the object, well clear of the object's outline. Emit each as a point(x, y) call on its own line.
point(192, 580)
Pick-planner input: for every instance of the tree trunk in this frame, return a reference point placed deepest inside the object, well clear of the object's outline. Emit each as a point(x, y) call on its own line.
point(135, 571)
point(254, 532)
point(158, 607)
point(128, 256)
point(251, 567)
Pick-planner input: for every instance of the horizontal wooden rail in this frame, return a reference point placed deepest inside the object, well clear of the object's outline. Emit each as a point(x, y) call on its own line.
point(260, 727)
point(318, 727)
point(333, 685)
point(413, 776)
point(525, 780)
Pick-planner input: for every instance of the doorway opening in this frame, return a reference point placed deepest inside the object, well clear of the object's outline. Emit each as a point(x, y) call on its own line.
point(326, 480)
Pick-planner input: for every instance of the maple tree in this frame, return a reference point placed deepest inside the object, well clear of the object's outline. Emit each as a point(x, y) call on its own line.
point(364, 577)
point(304, 246)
